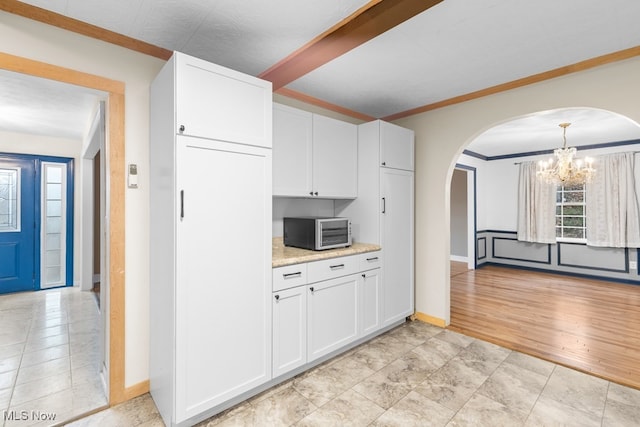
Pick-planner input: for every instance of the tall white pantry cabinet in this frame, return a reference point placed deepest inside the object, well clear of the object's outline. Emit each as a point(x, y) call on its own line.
point(383, 213)
point(210, 232)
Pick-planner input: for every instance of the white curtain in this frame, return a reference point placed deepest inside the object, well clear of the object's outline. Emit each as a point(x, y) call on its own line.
point(612, 205)
point(536, 207)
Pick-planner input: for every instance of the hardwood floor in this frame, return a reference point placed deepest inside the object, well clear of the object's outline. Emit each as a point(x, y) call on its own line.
point(589, 325)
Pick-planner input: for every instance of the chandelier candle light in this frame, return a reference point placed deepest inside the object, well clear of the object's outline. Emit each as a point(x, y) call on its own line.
point(565, 170)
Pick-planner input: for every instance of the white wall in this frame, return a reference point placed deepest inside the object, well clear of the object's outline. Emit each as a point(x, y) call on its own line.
point(442, 134)
point(34, 40)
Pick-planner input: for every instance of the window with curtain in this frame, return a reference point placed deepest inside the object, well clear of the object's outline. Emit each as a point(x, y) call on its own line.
point(612, 207)
point(603, 213)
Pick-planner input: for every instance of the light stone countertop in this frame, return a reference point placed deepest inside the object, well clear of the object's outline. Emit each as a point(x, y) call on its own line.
point(284, 255)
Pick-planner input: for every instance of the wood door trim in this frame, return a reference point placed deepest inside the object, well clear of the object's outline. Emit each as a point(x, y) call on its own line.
point(52, 18)
point(116, 172)
point(371, 20)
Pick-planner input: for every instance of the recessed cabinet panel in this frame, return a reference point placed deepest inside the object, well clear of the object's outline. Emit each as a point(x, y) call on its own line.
point(331, 268)
point(332, 315)
point(335, 158)
point(218, 103)
point(370, 296)
point(396, 147)
point(397, 243)
point(219, 356)
point(292, 151)
point(289, 329)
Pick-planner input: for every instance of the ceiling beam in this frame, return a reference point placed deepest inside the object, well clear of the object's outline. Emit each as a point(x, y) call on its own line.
point(289, 93)
point(375, 18)
point(79, 27)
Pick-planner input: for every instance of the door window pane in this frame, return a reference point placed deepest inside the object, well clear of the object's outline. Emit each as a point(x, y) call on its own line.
point(9, 200)
point(54, 221)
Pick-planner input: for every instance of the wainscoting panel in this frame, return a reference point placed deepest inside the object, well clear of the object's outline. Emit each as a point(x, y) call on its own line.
point(513, 249)
point(481, 248)
point(593, 258)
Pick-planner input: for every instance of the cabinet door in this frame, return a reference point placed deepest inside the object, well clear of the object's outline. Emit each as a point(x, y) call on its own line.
point(335, 158)
point(289, 329)
point(370, 302)
point(218, 103)
point(397, 243)
point(332, 315)
point(291, 151)
point(223, 272)
point(396, 147)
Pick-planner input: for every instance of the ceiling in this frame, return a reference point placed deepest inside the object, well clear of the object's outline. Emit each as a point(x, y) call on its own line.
point(453, 48)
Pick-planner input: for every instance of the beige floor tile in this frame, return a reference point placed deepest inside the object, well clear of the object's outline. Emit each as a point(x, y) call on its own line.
point(482, 411)
point(549, 412)
point(415, 410)
point(43, 370)
point(348, 409)
point(40, 356)
point(42, 387)
point(577, 390)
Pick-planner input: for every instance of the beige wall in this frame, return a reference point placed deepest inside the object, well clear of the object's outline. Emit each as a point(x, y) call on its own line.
point(33, 40)
point(442, 134)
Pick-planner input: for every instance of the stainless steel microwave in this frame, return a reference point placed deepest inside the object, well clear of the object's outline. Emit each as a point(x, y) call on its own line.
point(317, 233)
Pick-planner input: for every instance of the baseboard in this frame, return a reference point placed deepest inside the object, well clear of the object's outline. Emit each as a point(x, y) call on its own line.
point(136, 390)
point(430, 319)
point(459, 258)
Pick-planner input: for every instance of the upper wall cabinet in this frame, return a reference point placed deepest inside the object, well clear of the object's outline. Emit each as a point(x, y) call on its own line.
point(218, 103)
point(292, 151)
point(313, 155)
point(396, 146)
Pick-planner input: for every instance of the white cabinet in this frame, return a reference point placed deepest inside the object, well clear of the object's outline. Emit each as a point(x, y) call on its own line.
point(370, 293)
point(219, 103)
point(370, 302)
point(322, 306)
point(289, 329)
point(313, 155)
point(333, 315)
point(397, 243)
point(383, 213)
point(335, 158)
point(210, 257)
point(396, 146)
point(292, 151)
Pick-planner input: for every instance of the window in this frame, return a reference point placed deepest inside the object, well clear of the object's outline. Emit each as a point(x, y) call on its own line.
point(10, 200)
point(570, 213)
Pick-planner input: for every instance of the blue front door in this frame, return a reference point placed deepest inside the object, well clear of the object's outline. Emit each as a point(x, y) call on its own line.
point(17, 225)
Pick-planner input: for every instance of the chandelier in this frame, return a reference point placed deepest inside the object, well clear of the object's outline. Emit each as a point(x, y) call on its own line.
point(564, 170)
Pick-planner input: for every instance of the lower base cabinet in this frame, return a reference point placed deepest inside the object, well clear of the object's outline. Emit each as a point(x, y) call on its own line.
point(332, 316)
point(311, 320)
point(289, 329)
point(371, 306)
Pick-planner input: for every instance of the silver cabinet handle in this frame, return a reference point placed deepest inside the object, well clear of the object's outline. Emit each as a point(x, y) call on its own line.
point(375, 258)
point(334, 267)
point(384, 205)
point(292, 275)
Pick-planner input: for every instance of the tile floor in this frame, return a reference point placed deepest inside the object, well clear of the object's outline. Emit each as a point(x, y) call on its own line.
point(49, 356)
point(420, 375)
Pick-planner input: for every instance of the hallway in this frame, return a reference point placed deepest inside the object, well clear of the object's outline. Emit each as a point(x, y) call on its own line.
point(50, 355)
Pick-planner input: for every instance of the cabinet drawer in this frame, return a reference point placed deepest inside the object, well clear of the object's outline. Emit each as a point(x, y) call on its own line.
point(289, 276)
point(330, 268)
point(370, 260)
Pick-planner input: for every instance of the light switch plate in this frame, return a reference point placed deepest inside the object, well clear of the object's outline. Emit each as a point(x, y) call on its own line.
point(132, 176)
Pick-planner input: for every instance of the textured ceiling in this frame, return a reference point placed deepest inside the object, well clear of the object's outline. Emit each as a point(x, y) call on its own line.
point(454, 48)
point(45, 107)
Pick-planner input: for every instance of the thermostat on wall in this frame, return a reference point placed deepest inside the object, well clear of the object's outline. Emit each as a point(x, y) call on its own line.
point(132, 177)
